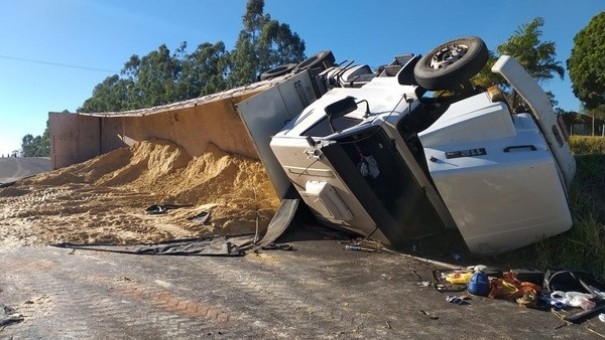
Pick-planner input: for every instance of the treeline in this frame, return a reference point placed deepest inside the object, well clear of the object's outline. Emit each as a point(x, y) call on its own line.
point(38, 146)
point(163, 77)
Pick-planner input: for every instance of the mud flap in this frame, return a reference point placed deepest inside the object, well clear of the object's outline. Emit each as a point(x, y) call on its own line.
point(279, 223)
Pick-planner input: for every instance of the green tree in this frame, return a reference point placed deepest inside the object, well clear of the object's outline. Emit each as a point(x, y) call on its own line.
point(486, 77)
point(38, 146)
point(262, 44)
point(112, 95)
point(44, 147)
point(586, 64)
point(536, 56)
point(154, 77)
point(162, 77)
point(27, 146)
point(204, 71)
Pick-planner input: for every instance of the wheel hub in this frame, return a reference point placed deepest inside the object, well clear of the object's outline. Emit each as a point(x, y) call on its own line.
point(448, 55)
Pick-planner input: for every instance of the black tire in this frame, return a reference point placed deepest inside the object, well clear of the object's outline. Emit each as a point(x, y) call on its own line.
point(323, 59)
point(277, 71)
point(451, 64)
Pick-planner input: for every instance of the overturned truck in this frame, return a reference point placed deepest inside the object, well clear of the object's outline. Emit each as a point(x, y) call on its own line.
point(394, 154)
point(380, 153)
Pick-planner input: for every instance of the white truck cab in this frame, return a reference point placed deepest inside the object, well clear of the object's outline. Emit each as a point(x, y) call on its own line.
point(371, 152)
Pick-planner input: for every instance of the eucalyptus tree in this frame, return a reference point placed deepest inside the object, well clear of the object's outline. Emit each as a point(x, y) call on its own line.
point(263, 43)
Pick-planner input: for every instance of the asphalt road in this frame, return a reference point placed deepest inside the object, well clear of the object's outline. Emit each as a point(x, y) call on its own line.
point(14, 168)
point(318, 291)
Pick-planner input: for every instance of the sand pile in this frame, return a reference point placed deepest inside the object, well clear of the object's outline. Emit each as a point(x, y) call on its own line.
point(104, 199)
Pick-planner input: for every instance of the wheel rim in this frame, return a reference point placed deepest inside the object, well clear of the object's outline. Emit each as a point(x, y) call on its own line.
point(447, 56)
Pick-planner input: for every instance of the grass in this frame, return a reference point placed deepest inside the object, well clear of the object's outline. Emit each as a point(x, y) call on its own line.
point(583, 246)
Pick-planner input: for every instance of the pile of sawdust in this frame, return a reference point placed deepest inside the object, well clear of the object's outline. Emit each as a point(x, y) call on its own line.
point(103, 200)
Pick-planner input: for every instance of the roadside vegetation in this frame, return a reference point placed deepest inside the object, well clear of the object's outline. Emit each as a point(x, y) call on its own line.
point(583, 247)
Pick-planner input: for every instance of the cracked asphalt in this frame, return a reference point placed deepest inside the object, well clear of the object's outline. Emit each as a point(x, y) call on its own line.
point(318, 291)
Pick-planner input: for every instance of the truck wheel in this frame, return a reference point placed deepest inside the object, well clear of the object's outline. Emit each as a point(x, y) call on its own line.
point(324, 59)
point(277, 71)
point(451, 63)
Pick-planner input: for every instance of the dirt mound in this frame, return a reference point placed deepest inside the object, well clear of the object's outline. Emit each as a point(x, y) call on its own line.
point(104, 199)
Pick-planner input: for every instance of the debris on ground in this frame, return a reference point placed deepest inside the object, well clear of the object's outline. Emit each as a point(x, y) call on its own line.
point(564, 290)
point(8, 316)
point(458, 300)
point(430, 315)
point(364, 244)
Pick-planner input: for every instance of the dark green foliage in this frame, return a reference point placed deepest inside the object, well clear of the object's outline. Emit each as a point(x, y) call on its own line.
point(38, 146)
point(486, 77)
point(536, 56)
point(587, 63)
point(204, 71)
point(154, 77)
point(262, 44)
point(113, 94)
point(162, 77)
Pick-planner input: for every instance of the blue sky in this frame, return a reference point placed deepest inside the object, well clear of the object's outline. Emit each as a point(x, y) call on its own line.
point(81, 42)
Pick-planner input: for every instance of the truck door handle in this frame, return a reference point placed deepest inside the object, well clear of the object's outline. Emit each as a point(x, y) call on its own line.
point(509, 148)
